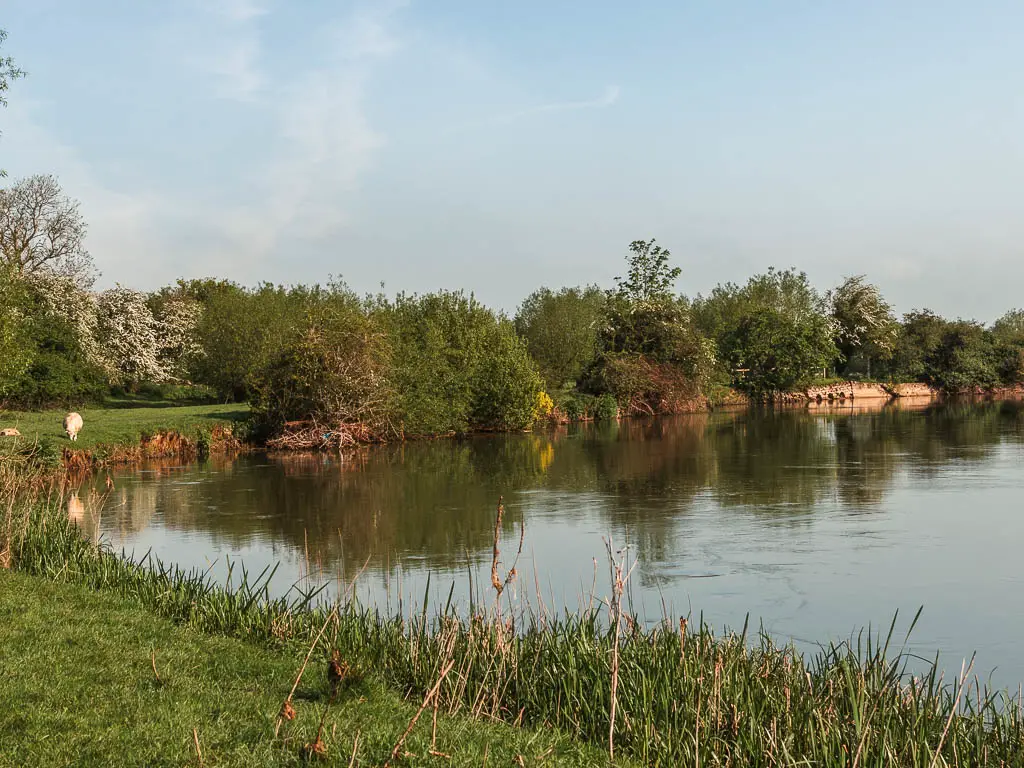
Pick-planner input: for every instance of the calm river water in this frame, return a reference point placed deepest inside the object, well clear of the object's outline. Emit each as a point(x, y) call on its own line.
point(816, 522)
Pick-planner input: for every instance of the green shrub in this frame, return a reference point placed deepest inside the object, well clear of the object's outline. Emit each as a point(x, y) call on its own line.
point(560, 330)
point(606, 408)
point(456, 365)
point(333, 370)
point(505, 382)
point(964, 358)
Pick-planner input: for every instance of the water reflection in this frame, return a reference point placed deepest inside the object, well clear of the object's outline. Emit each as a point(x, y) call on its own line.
point(815, 520)
point(435, 500)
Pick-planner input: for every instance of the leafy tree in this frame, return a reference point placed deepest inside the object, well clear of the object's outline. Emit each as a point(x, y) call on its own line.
point(42, 229)
point(241, 331)
point(560, 330)
point(1010, 327)
point(642, 314)
point(651, 359)
point(773, 334)
point(505, 382)
point(919, 336)
point(775, 352)
point(61, 297)
point(8, 74)
point(334, 370)
point(448, 350)
point(865, 324)
point(649, 278)
point(177, 320)
point(1008, 337)
point(964, 358)
point(16, 352)
point(61, 371)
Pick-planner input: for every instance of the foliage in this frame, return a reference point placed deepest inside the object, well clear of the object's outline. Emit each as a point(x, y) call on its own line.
point(9, 72)
point(334, 371)
point(505, 382)
point(543, 406)
point(242, 330)
point(651, 357)
point(16, 352)
point(919, 335)
point(129, 336)
point(606, 408)
point(649, 277)
point(177, 319)
point(865, 324)
point(560, 329)
point(963, 359)
point(642, 316)
point(1008, 338)
point(42, 230)
point(62, 371)
point(774, 334)
point(450, 354)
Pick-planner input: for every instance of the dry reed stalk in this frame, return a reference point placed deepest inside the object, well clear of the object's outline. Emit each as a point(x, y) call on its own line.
point(497, 582)
point(620, 577)
point(199, 752)
point(952, 711)
point(286, 705)
point(152, 659)
point(355, 751)
point(412, 723)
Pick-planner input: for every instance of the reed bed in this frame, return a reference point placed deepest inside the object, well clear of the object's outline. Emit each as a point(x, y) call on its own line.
point(682, 694)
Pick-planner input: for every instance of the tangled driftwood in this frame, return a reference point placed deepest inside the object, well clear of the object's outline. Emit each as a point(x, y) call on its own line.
point(310, 435)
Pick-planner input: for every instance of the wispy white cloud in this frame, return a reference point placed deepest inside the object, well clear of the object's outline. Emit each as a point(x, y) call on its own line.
point(326, 143)
point(226, 44)
point(303, 181)
point(607, 99)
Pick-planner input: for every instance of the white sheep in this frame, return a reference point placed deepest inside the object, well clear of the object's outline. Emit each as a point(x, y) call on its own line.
point(72, 425)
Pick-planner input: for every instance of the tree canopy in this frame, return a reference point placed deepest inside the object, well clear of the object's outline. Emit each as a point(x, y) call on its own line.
point(42, 229)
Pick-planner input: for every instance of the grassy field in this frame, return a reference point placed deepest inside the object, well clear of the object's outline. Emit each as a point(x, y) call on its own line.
point(120, 423)
point(78, 687)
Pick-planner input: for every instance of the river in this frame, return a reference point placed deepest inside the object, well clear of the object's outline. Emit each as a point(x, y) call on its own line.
point(815, 522)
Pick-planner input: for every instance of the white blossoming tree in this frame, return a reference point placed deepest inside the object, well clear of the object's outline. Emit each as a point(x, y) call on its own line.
point(130, 337)
point(176, 322)
point(63, 298)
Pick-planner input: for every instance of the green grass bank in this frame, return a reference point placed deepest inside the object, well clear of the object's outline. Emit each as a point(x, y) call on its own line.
point(122, 431)
point(91, 678)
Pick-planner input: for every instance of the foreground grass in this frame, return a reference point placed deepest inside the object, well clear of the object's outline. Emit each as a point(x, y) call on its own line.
point(78, 687)
point(123, 424)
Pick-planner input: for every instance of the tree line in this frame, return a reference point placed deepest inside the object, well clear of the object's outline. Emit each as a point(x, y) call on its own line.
point(442, 362)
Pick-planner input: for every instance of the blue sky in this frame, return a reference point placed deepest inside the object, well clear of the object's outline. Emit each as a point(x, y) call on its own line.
point(497, 147)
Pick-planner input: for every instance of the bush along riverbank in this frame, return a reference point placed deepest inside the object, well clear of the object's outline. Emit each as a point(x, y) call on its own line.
point(670, 694)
